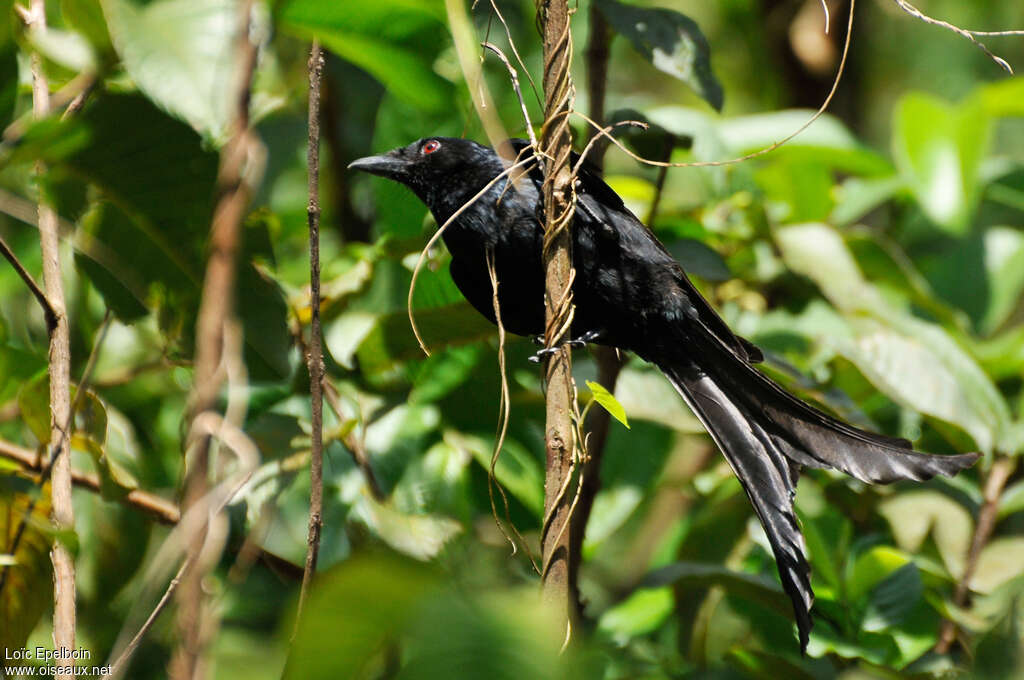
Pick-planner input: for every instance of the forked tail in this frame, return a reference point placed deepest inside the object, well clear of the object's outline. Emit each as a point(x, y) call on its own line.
point(767, 434)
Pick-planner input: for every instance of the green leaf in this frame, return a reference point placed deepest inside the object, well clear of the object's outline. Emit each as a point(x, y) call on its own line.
point(8, 81)
point(495, 634)
point(918, 365)
point(28, 591)
point(417, 535)
point(381, 593)
point(65, 48)
point(999, 654)
point(938, 148)
point(642, 612)
point(608, 401)
point(915, 362)
point(34, 406)
point(892, 600)
point(699, 575)
point(871, 568)
point(144, 243)
point(912, 515)
point(515, 469)
point(671, 41)
point(647, 395)
point(86, 17)
point(700, 259)
point(264, 315)
point(181, 54)
point(1002, 98)
point(392, 341)
point(819, 252)
point(999, 562)
point(857, 196)
point(375, 37)
point(1004, 268)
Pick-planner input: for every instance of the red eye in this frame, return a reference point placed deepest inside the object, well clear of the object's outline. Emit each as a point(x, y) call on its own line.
point(431, 146)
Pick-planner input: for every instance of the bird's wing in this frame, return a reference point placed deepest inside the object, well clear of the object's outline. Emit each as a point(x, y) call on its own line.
point(598, 205)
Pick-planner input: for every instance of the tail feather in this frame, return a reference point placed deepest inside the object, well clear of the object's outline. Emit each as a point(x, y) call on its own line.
point(767, 475)
point(766, 435)
point(811, 438)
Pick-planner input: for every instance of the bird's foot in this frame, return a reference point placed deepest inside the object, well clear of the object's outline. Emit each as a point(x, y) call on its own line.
point(575, 343)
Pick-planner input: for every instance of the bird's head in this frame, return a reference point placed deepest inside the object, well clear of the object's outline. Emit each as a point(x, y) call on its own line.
point(433, 167)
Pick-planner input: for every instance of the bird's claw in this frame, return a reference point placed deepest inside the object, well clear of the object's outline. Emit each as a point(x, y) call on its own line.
point(575, 343)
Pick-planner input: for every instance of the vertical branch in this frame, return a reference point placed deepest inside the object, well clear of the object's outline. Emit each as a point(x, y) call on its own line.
point(216, 309)
point(609, 363)
point(559, 205)
point(60, 376)
point(315, 356)
point(996, 480)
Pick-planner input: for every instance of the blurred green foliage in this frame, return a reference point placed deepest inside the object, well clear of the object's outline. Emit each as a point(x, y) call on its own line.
point(878, 258)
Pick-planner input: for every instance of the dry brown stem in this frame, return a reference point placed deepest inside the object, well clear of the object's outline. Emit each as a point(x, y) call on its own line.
point(970, 35)
point(159, 509)
point(60, 375)
point(315, 356)
point(995, 482)
point(216, 309)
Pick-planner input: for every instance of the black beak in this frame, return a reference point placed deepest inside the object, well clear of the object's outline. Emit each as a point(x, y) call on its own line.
point(387, 165)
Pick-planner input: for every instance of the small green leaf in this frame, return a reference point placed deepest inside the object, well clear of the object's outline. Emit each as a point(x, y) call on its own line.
point(913, 514)
point(34, 406)
point(647, 395)
point(999, 562)
point(28, 591)
point(1004, 268)
point(873, 567)
point(419, 536)
point(608, 401)
point(671, 41)
point(938, 149)
point(642, 612)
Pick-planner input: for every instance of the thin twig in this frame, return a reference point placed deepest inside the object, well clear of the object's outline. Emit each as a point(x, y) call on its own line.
point(315, 355)
point(995, 482)
point(72, 95)
point(464, 37)
point(160, 509)
point(515, 51)
point(970, 35)
point(515, 86)
point(355, 445)
point(504, 415)
point(51, 316)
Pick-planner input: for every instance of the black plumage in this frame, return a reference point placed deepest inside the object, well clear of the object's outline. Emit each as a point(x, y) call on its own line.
point(631, 294)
